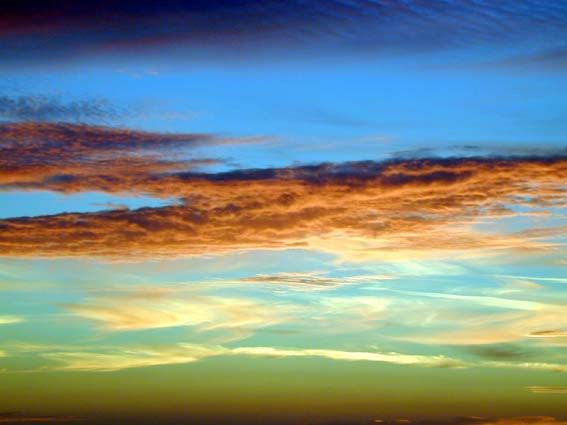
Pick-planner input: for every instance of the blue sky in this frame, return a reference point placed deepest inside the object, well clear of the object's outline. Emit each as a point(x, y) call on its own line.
point(298, 212)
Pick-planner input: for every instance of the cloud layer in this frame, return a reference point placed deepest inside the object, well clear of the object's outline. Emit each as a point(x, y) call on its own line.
point(34, 31)
point(71, 157)
point(53, 108)
point(361, 210)
point(109, 359)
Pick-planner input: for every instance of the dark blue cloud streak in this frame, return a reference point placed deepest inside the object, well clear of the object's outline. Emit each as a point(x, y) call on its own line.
point(44, 31)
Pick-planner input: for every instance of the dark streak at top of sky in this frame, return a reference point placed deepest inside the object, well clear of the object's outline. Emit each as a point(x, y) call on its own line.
point(47, 31)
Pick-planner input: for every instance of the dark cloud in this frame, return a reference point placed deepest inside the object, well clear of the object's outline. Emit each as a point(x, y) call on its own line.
point(524, 149)
point(294, 279)
point(53, 108)
point(62, 156)
point(33, 30)
point(359, 209)
point(551, 333)
point(314, 280)
point(501, 352)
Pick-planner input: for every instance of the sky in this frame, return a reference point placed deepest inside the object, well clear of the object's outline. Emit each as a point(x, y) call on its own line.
point(321, 212)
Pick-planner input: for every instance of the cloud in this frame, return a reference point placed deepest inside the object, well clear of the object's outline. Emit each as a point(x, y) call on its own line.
point(73, 157)
point(67, 30)
point(551, 333)
point(489, 328)
point(358, 211)
point(547, 389)
point(312, 280)
point(141, 310)
point(549, 367)
point(484, 325)
point(356, 313)
point(235, 317)
point(501, 352)
point(294, 280)
point(394, 358)
point(53, 108)
point(536, 278)
point(6, 320)
point(500, 302)
point(115, 359)
point(109, 359)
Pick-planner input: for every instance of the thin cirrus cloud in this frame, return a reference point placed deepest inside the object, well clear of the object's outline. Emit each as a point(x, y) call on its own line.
point(236, 317)
point(357, 211)
point(473, 328)
point(64, 29)
point(468, 321)
point(539, 389)
point(109, 359)
point(239, 317)
point(485, 325)
point(114, 358)
point(7, 320)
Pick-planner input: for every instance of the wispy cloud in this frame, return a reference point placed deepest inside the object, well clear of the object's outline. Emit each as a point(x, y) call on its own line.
point(549, 367)
point(108, 359)
point(489, 328)
point(470, 320)
point(395, 358)
point(140, 310)
point(118, 357)
point(547, 389)
point(9, 319)
point(131, 357)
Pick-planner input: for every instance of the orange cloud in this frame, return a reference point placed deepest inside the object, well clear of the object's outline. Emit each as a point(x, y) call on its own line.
point(72, 157)
point(364, 210)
